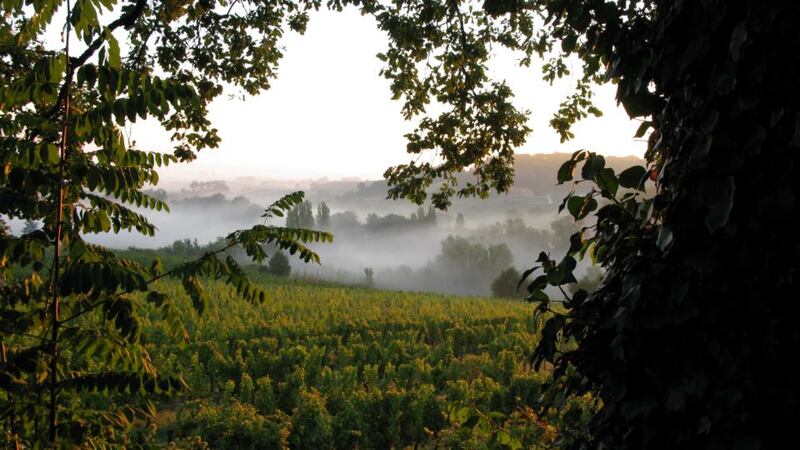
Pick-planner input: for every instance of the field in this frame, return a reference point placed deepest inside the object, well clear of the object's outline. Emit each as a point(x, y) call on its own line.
point(348, 367)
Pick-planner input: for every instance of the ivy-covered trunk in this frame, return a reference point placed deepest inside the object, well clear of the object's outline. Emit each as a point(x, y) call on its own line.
point(692, 341)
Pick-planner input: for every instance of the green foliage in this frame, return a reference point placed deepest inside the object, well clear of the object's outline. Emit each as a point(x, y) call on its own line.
point(234, 426)
point(336, 367)
point(279, 265)
point(461, 253)
point(311, 423)
point(75, 370)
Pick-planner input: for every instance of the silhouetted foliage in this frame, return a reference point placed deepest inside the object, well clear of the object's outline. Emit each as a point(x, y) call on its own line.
point(590, 281)
point(75, 371)
point(691, 340)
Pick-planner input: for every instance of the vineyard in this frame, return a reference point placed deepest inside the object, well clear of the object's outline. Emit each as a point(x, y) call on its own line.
point(349, 367)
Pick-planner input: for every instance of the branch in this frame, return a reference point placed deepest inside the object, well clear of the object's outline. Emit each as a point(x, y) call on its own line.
point(126, 20)
point(148, 282)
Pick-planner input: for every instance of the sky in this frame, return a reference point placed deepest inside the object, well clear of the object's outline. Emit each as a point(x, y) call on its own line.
point(330, 115)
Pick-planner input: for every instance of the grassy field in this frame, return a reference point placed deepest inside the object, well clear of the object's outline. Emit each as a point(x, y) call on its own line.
point(325, 366)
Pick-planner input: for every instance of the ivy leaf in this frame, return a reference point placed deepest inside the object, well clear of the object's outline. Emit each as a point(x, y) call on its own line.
point(642, 130)
point(565, 171)
point(562, 274)
point(580, 207)
point(664, 238)
point(592, 167)
point(633, 178)
point(721, 204)
point(607, 182)
point(642, 104)
point(537, 296)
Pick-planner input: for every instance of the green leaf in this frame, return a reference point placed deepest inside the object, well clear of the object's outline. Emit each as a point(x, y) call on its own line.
point(580, 207)
point(113, 50)
point(608, 182)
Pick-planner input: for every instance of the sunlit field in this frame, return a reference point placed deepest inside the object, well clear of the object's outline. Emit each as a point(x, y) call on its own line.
point(350, 367)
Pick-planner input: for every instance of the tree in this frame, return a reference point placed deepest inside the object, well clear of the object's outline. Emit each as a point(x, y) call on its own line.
point(473, 257)
point(368, 277)
point(301, 216)
point(460, 221)
point(689, 342)
point(505, 285)
point(323, 215)
point(430, 218)
point(279, 265)
point(74, 370)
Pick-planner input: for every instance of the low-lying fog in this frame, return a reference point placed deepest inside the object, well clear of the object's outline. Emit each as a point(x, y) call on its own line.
point(406, 247)
point(400, 244)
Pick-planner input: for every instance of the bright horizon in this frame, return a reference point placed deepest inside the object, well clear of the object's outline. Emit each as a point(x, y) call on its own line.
point(330, 115)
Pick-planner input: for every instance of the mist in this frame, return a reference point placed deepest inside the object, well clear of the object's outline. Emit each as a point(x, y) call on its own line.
point(378, 242)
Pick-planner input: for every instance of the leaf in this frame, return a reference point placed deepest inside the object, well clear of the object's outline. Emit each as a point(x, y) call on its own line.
point(113, 50)
point(580, 207)
point(562, 274)
point(642, 104)
point(738, 38)
point(592, 167)
point(664, 238)
point(608, 182)
point(565, 171)
point(720, 204)
point(633, 178)
point(526, 274)
point(538, 283)
point(538, 295)
point(642, 130)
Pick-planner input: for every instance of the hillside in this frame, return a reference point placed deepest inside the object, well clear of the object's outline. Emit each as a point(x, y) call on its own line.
point(535, 175)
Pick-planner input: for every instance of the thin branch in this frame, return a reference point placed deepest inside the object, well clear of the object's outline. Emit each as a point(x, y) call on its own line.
point(148, 282)
point(564, 293)
point(20, 333)
point(126, 20)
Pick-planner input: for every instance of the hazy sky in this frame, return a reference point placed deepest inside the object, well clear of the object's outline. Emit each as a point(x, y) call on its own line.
point(329, 113)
